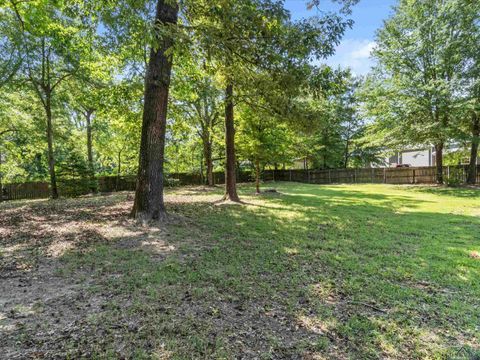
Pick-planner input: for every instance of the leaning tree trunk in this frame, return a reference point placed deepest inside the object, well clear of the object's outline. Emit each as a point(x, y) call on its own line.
point(230, 175)
point(51, 156)
point(257, 176)
point(148, 202)
point(439, 162)
point(472, 167)
point(91, 167)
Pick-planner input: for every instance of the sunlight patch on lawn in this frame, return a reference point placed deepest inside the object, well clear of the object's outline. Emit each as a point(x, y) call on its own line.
point(315, 325)
point(116, 232)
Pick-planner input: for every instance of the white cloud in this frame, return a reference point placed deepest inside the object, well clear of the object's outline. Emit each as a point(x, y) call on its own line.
point(355, 54)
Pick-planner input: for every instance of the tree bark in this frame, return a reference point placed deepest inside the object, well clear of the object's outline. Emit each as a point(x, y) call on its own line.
point(230, 174)
point(91, 167)
point(346, 154)
point(1, 178)
point(51, 156)
point(257, 176)
point(149, 202)
point(439, 162)
point(472, 167)
point(207, 154)
point(119, 170)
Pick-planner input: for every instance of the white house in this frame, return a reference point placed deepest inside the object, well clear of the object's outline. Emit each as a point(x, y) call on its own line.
point(414, 157)
point(421, 157)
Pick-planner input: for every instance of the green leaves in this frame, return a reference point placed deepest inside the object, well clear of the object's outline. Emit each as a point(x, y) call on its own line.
point(91, 55)
point(419, 89)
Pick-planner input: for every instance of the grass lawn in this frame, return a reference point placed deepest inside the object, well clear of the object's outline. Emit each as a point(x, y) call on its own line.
point(313, 272)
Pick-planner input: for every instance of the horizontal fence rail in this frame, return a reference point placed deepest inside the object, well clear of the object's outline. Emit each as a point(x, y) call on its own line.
point(104, 184)
point(408, 175)
point(404, 175)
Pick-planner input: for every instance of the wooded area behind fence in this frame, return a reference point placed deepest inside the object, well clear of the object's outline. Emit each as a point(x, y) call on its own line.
point(104, 184)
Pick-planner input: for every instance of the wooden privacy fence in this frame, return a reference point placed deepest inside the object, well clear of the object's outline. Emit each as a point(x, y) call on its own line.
point(405, 175)
point(29, 190)
point(105, 184)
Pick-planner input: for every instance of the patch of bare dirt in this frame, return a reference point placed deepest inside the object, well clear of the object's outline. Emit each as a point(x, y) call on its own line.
point(43, 314)
point(475, 255)
point(251, 328)
point(52, 228)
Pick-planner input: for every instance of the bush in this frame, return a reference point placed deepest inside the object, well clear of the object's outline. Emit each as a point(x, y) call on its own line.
point(455, 176)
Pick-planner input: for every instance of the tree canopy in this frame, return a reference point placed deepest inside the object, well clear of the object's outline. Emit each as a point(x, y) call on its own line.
point(149, 88)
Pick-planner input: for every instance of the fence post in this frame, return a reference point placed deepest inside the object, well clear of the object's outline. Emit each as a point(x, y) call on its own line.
point(308, 174)
point(290, 174)
point(448, 173)
point(329, 176)
point(414, 176)
point(384, 175)
point(373, 175)
point(355, 176)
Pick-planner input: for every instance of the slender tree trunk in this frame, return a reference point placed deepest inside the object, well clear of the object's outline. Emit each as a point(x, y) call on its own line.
point(439, 162)
point(257, 176)
point(148, 202)
point(207, 154)
point(91, 167)
point(472, 167)
point(202, 161)
point(345, 161)
point(51, 156)
point(1, 178)
point(119, 170)
point(230, 173)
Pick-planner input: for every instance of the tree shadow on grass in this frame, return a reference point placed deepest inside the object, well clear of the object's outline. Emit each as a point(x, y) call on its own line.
point(414, 264)
point(60, 264)
point(461, 191)
point(338, 274)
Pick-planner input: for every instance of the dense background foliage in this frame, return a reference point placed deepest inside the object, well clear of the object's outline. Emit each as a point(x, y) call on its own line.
point(79, 66)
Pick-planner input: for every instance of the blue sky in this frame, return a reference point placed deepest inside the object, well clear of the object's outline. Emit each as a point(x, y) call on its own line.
point(354, 51)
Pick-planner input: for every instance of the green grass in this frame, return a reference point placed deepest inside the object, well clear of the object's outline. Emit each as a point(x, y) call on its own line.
point(347, 271)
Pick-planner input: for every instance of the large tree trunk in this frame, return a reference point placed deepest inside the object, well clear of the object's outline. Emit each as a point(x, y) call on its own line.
point(51, 156)
point(439, 162)
point(148, 202)
point(207, 154)
point(91, 167)
point(472, 167)
point(257, 176)
point(230, 175)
